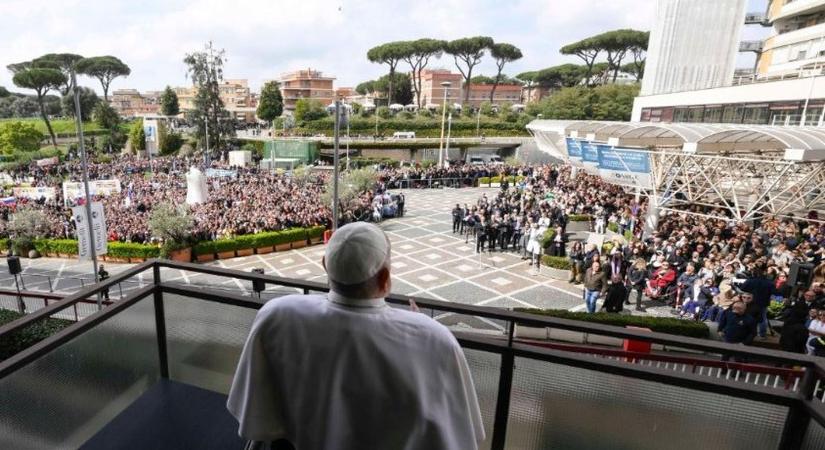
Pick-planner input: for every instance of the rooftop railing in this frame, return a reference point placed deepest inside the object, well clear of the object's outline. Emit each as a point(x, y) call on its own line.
point(65, 389)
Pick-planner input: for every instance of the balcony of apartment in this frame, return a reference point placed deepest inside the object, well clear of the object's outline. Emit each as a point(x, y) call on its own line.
point(152, 369)
point(795, 8)
point(751, 46)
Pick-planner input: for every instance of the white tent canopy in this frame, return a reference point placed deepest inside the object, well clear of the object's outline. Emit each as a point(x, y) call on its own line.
point(396, 106)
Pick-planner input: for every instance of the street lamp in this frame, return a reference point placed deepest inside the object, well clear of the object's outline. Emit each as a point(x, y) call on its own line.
point(445, 86)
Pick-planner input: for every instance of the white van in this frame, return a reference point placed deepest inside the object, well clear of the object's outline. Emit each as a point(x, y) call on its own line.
point(478, 160)
point(404, 135)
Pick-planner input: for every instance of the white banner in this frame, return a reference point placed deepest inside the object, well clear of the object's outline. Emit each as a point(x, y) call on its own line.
point(74, 190)
point(34, 193)
point(98, 224)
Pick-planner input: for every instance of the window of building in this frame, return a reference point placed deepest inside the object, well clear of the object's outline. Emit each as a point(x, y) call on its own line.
point(695, 114)
point(756, 114)
point(713, 114)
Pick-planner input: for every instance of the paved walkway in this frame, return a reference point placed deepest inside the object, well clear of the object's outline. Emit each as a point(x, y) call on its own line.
point(428, 261)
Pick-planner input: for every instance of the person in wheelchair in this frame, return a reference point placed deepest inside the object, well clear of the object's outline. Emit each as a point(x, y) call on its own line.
point(661, 282)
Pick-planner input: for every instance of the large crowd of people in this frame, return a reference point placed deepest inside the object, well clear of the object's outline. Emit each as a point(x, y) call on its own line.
point(702, 264)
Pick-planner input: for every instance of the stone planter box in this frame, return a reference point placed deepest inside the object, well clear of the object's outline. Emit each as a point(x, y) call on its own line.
point(282, 247)
point(523, 332)
point(206, 258)
point(316, 240)
point(118, 260)
point(556, 274)
point(245, 252)
point(577, 226)
point(182, 255)
point(226, 255)
point(264, 250)
point(298, 244)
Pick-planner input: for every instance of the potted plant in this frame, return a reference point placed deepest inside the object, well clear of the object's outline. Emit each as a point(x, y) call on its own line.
point(172, 224)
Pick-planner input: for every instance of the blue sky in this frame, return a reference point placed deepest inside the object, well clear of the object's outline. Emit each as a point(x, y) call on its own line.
point(264, 38)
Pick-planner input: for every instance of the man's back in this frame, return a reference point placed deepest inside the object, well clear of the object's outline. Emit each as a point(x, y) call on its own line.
point(329, 375)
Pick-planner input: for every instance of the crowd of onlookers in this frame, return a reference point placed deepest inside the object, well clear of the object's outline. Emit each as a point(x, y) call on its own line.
point(705, 268)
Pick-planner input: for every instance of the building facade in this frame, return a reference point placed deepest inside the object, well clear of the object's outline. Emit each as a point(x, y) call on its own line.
point(131, 103)
point(309, 84)
point(237, 97)
point(693, 45)
point(432, 93)
point(505, 93)
point(797, 42)
point(785, 89)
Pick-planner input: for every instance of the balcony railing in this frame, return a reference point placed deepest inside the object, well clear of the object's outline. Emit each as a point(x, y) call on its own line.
point(751, 46)
point(76, 384)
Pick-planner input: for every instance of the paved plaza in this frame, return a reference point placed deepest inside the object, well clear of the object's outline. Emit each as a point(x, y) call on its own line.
point(428, 260)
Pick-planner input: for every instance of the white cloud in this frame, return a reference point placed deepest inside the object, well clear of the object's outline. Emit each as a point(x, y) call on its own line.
point(265, 38)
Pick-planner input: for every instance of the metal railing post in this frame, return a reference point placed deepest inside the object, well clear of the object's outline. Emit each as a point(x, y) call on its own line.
point(505, 385)
point(50, 284)
point(160, 322)
point(798, 418)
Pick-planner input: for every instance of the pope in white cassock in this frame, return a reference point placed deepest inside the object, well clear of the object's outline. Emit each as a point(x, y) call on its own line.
point(346, 371)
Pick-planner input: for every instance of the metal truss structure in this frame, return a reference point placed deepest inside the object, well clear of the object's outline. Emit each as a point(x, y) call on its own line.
point(737, 172)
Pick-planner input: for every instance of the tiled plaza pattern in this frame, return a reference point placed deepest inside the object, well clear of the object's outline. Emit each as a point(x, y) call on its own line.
point(428, 260)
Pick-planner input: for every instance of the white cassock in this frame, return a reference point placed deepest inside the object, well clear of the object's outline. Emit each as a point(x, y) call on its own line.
point(327, 372)
point(196, 191)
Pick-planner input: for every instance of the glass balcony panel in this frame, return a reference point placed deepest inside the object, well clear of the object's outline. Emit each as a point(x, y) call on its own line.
point(814, 437)
point(557, 406)
point(486, 368)
point(204, 340)
point(63, 398)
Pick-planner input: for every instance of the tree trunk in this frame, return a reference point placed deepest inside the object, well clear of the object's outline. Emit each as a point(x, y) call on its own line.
point(46, 118)
point(389, 89)
point(467, 82)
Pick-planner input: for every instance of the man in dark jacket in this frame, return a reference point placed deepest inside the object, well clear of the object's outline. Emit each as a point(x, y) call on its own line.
point(794, 316)
point(761, 288)
point(735, 326)
point(457, 216)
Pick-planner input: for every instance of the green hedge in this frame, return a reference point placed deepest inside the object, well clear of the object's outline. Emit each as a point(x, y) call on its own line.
point(264, 239)
point(4, 244)
point(547, 237)
point(13, 343)
point(579, 218)
point(114, 249)
point(659, 324)
point(132, 250)
point(423, 127)
point(614, 227)
point(556, 262)
point(497, 179)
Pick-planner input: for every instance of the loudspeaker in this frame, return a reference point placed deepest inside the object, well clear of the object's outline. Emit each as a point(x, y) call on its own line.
point(14, 265)
point(800, 275)
point(258, 285)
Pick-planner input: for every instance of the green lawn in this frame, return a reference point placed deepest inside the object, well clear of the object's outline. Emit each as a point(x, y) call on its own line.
point(60, 126)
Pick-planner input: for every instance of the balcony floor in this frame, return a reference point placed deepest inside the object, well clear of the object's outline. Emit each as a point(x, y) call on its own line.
point(171, 415)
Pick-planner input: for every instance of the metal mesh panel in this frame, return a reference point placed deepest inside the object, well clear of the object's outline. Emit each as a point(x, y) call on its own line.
point(65, 397)
point(556, 406)
point(204, 340)
point(486, 368)
point(814, 437)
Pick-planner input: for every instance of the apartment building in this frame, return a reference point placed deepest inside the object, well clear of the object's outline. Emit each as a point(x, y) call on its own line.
point(130, 102)
point(237, 97)
point(785, 89)
point(432, 93)
point(797, 42)
point(310, 84)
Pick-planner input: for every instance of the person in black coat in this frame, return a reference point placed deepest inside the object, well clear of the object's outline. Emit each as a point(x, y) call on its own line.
point(795, 316)
point(616, 295)
point(737, 327)
point(457, 216)
point(636, 280)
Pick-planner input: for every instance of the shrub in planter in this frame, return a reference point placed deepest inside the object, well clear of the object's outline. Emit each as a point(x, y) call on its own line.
point(556, 262)
point(579, 218)
point(614, 227)
point(658, 324)
point(131, 250)
point(316, 232)
point(225, 245)
point(15, 342)
point(484, 180)
point(204, 248)
point(62, 246)
point(4, 244)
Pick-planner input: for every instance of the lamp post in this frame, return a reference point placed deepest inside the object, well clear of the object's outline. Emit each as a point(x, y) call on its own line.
point(447, 147)
point(478, 121)
point(335, 169)
point(87, 197)
point(445, 85)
